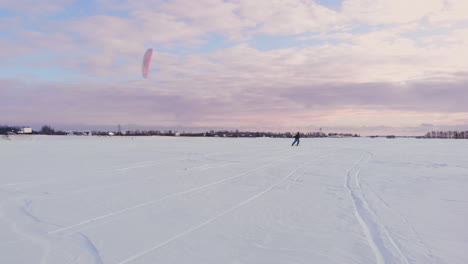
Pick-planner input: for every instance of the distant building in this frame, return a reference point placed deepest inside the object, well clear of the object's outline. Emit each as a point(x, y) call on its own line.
point(26, 130)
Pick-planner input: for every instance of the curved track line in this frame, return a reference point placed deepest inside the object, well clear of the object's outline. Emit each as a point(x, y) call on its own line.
point(359, 215)
point(214, 218)
point(376, 232)
point(379, 221)
point(429, 254)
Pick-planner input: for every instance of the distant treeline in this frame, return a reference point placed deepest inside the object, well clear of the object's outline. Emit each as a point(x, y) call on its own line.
point(45, 130)
point(236, 133)
point(4, 130)
point(48, 130)
point(447, 134)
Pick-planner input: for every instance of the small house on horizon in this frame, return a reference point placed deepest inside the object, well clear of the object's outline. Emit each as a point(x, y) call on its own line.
point(25, 130)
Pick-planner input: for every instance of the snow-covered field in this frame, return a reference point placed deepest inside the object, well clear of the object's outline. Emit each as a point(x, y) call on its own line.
point(216, 200)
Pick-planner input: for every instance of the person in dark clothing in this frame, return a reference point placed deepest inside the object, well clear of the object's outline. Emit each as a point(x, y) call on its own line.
point(296, 139)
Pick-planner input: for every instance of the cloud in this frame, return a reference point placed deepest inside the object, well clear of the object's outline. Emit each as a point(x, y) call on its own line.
point(377, 12)
point(288, 17)
point(126, 34)
point(211, 16)
point(442, 97)
point(51, 41)
point(323, 36)
point(12, 50)
point(9, 24)
point(453, 11)
point(70, 103)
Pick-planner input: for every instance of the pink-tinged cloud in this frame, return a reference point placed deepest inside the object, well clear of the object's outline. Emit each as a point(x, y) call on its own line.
point(211, 16)
point(289, 17)
point(350, 105)
point(375, 12)
point(453, 11)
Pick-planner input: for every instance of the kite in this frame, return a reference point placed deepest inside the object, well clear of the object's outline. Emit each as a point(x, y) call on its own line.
point(146, 63)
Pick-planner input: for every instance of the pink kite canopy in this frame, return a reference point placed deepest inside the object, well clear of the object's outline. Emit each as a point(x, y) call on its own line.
point(146, 63)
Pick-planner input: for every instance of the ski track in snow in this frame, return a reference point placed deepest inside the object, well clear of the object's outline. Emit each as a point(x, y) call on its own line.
point(35, 240)
point(378, 220)
point(134, 166)
point(229, 163)
point(46, 244)
point(117, 184)
point(293, 250)
point(456, 201)
point(155, 201)
point(130, 166)
point(405, 221)
point(92, 249)
point(294, 181)
point(173, 195)
point(376, 233)
point(210, 220)
point(14, 184)
point(391, 235)
point(142, 164)
point(150, 163)
point(359, 216)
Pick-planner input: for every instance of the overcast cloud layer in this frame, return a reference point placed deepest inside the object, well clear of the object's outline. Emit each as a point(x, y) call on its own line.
point(364, 66)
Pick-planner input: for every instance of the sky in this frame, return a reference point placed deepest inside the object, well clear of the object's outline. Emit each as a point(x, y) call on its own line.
point(359, 66)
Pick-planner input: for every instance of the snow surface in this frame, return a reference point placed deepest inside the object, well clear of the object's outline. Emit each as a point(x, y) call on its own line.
point(222, 200)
